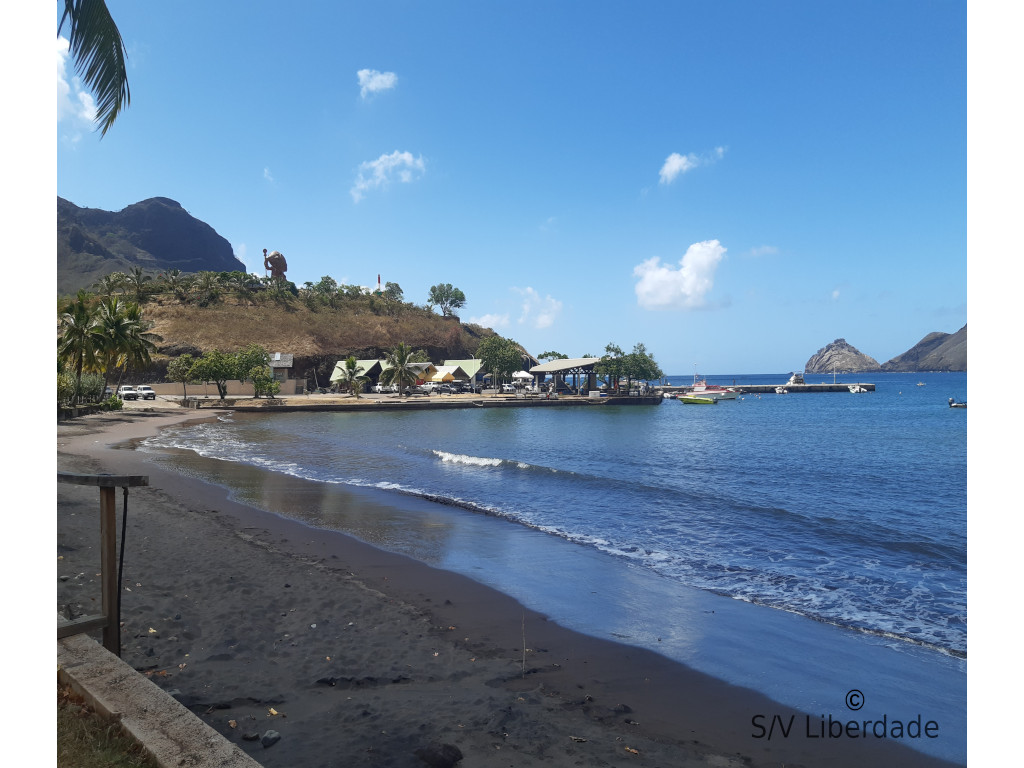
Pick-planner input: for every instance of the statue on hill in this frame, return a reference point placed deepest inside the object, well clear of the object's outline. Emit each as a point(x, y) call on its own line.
point(275, 263)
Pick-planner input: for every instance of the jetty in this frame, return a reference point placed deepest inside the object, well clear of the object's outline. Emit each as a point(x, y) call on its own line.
point(769, 389)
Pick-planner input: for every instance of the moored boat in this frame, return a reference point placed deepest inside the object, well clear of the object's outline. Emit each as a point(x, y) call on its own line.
point(695, 400)
point(701, 388)
point(954, 404)
point(856, 389)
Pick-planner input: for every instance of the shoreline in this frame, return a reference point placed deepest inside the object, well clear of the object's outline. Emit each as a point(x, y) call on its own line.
point(446, 665)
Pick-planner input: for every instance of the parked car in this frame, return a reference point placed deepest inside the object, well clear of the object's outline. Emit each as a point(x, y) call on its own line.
point(382, 389)
point(508, 389)
point(108, 392)
point(146, 392)
point(448, 389)
point(127, 393)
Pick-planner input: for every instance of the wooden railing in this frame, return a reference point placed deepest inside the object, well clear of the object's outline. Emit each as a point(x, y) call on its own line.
point(109, 619)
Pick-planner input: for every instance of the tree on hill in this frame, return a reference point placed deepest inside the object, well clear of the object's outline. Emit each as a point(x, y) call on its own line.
point(447, 297)
point(552, 356)
point(95, 44)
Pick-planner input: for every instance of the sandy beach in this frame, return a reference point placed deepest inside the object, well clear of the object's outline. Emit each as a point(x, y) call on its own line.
point(356, 656)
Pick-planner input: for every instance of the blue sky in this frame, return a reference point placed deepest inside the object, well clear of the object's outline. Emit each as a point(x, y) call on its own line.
point(733, 184)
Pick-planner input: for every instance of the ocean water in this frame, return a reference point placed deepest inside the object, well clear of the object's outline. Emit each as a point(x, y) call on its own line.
point(802, 545)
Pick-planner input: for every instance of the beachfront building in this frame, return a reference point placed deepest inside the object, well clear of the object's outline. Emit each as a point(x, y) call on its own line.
point(450, 373)
point(580, 368)
point(470, 367)
point(281, 366)
point(369, 368)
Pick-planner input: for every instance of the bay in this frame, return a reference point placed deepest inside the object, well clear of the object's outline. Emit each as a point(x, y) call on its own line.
point(801, 545)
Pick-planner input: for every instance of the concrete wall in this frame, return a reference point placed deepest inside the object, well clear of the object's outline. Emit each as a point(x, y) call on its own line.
point(235, 389)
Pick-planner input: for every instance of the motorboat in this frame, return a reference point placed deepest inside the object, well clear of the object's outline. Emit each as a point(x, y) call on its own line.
point(856, 389)
point(701, 388)
point(697, 400)
point(954, 404)
point(781, 391)
point(796, 378)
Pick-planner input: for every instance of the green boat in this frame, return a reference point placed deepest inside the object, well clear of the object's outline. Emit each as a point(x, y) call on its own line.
point(694, 400)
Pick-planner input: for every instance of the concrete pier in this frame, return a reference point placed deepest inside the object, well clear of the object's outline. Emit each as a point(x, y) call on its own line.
point(762, 389)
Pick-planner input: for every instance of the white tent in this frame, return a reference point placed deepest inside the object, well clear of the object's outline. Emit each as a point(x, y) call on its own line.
point(522, 375)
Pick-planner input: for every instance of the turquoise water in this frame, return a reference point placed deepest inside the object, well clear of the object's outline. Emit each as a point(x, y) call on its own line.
point(835, 524)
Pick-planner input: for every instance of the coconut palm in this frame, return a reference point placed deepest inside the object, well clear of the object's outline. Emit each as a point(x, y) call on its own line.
point(350, 378)
point(100, 57)
point(79, 340)
point(137, 279)
point(110, 284)
point(397, 367)
point(141, 341)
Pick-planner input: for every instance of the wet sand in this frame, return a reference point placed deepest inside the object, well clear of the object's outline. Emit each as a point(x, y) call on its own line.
point(368, 657)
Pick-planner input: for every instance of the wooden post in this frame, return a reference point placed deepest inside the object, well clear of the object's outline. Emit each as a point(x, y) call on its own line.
point(108, 569)
point(109, 619)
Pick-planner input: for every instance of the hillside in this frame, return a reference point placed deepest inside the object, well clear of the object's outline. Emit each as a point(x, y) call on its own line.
point(155, 235)
point(316, 335)
point(935, 352)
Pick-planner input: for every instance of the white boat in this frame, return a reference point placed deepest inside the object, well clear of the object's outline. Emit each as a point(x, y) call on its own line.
point(781, 391)
point(701, 388)
point(856, 389)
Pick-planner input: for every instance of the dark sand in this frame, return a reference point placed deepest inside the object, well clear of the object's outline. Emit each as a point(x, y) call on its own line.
point(367, 657)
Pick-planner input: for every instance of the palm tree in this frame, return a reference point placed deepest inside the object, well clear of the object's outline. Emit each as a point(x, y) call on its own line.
point(137, 280)
point(397, 367)
point(100, 57)
point(110, 284)
point(141, 341)
point(178, 283)
point(124, 338)
point(350, 377)
point(79, 340)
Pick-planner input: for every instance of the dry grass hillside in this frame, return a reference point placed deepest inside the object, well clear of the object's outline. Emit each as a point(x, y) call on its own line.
point(316, 337)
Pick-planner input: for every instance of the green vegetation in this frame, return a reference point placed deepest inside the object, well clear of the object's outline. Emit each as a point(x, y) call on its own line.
point(86, 739)
point(447, 297)
point(398, 366)
point(638, 365)
point(100, 57)
point(500, 356)
point(349, 377)
point(102, 336)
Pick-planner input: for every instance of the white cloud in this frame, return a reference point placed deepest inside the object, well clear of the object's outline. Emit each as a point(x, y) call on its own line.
point(676, 165)
point(490, 321)
point(835, 295)
point(764, 250)
point(267, 175)
point(539, 312)
point(74, 105)
point(398, 166)
point(372, 81)
point(665, 287)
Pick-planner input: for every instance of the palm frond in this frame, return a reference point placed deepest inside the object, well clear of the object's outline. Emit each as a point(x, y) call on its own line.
point(100, 57)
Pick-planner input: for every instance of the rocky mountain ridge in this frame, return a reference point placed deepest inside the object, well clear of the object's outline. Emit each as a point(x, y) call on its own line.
point(935, 352)
point(155, 234)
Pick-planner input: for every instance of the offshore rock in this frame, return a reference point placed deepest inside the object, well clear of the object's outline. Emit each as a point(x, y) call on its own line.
point(842, 358)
